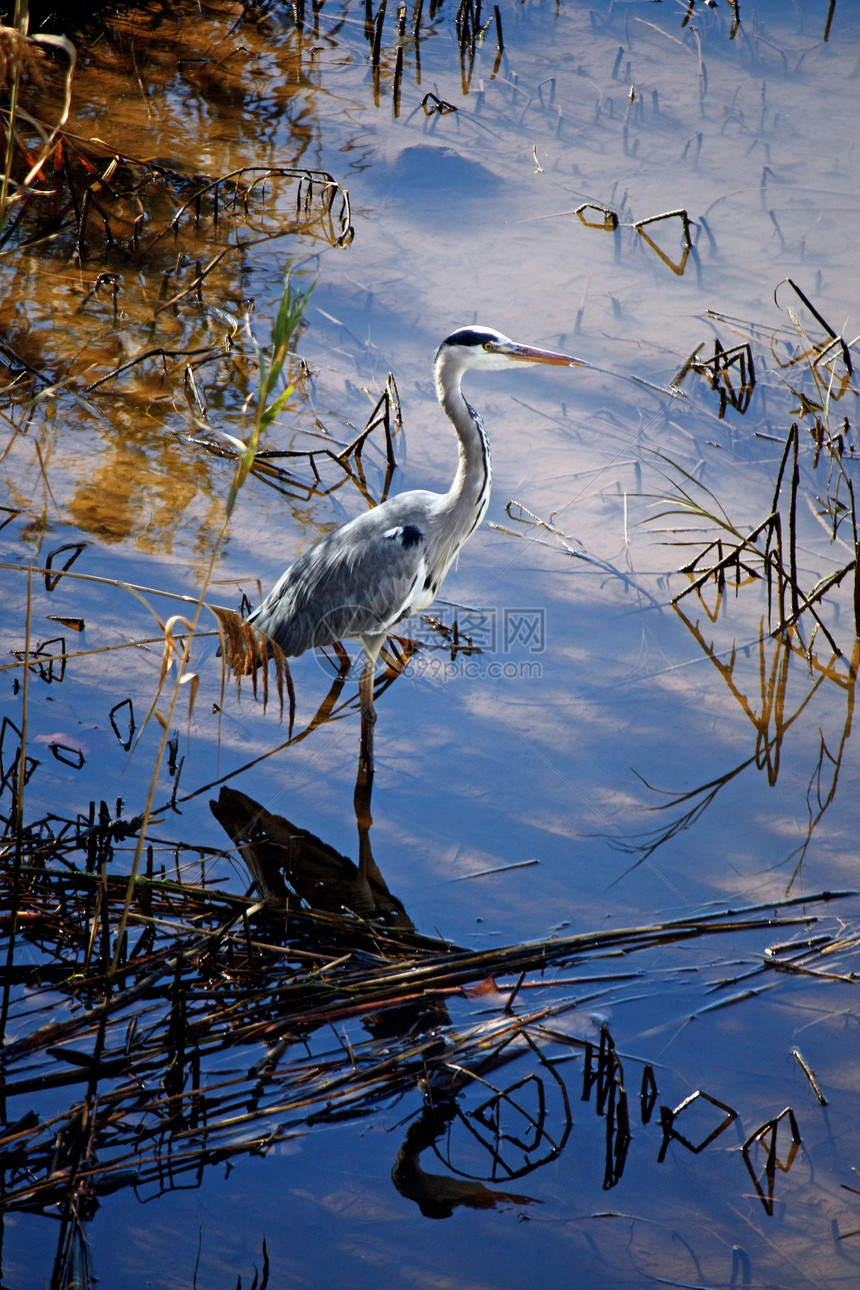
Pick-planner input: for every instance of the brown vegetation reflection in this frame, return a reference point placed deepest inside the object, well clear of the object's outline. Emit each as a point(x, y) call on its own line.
point(809, 626)
point(802, 624)
point(772, 714)
point(143, 257)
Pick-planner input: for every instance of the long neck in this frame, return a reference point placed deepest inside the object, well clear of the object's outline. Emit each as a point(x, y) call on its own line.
point(468, 497)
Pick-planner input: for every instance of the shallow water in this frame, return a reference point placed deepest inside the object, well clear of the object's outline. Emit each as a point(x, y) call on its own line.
point(615, 758)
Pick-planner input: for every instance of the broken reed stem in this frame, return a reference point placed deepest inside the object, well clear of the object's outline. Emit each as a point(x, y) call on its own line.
point(810, 1075)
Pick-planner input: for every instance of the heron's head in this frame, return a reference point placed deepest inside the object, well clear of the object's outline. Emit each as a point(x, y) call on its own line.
point(486, 349)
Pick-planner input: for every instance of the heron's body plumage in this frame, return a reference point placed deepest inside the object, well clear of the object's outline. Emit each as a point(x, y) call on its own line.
point(357, 582)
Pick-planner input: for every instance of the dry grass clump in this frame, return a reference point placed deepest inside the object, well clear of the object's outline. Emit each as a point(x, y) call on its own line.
point(20, 57)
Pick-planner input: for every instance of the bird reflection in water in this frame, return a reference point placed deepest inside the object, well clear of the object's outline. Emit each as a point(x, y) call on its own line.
point(437, 1195)
point(480, 1132)
point(283, 857)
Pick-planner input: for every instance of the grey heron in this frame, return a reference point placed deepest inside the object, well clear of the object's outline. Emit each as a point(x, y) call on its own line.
point(388, 563)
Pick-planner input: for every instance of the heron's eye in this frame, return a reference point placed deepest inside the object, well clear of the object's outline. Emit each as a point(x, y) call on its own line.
point(489, 346)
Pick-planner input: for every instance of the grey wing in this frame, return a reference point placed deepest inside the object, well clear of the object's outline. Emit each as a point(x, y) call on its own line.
point(355, 583)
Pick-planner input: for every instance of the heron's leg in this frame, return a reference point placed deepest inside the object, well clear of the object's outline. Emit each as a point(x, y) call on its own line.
point(361, 799)
point(368, 711)
point(364, 780)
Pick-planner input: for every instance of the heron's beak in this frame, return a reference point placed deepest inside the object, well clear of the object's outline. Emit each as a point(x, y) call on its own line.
point(527, 354)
